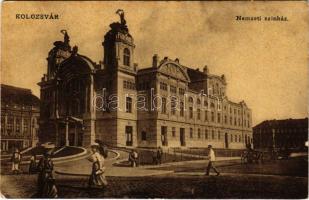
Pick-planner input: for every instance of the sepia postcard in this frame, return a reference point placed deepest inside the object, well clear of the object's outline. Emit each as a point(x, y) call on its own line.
point(154, 99)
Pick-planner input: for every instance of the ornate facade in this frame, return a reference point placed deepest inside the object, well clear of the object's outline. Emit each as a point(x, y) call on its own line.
point(20, 111)
point(166, 104)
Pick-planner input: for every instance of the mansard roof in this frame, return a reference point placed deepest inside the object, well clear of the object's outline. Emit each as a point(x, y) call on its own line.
point(78, 64)
point(17, 95)
point(195, 74)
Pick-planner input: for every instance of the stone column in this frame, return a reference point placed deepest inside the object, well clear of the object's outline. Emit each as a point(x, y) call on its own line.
point(57, 139)
point(67, 132)
point(75, 135)
point(92, 112)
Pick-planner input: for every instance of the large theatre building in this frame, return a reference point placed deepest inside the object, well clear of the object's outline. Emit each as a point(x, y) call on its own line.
point(165, 104)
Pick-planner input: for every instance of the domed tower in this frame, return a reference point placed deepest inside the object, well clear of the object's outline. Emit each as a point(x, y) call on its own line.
point(60, 52)
point(119, 46)
point(119, 78)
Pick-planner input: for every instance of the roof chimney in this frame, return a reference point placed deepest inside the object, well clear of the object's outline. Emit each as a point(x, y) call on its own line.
point(205, 69)
point(155, 60)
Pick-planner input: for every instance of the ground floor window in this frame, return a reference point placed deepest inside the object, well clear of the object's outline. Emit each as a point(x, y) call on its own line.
point(144, 135)
point(164, 135)
point(129, 136)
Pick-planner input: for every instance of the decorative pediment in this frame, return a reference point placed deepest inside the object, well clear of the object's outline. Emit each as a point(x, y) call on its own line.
point(175, 70)
point(76, 65)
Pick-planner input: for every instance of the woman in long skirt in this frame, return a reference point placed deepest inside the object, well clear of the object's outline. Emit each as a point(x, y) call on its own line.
point(97, 178)
point(32, 166)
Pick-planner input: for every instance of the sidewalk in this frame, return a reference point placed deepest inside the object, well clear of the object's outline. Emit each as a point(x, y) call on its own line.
point(84, 168)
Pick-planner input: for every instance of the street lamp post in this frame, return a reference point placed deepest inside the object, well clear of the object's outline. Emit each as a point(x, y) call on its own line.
point(274, 141)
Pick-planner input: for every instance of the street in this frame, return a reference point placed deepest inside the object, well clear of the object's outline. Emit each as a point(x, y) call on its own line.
point(281, 179)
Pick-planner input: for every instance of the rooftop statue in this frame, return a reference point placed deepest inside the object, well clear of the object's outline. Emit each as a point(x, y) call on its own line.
point(122, 25)
point(66, 36)
point(120, 12)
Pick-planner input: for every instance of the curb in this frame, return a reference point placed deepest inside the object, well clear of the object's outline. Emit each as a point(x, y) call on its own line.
point(62, 159)
point(161, 172)
point(182, 162)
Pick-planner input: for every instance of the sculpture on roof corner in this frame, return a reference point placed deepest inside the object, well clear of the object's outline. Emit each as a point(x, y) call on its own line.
point(120, 12)
point(66, 36)
point(122, 25)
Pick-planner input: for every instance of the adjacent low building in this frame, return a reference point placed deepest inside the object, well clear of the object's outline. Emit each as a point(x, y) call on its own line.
point(164, 104)
point(281, 134)
point(20, 111)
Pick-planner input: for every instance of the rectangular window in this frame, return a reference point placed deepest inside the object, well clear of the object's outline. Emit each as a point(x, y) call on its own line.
point(199, 133)
point(219, 117)
point(163, 86)
point(9, 126)
point(219, 135)
point(182, 109)
point(181, 91)
point(144, 135)
point(25, 126)
point(231, 138)
point(173, 89)
point(163, 109)
point(212, 116)
point(17, 125)
point(213, 134)
point(164, 135)
point(2, 125)
point(231, 121)
point(206, 134)
point(225, 119)
point(191, 112)
point(173, 106)
point(191, 132)
point(128, 104)
point(198, 114)
point(173, 131)
point(129, 135)
point(206, 115)
point(129, 85)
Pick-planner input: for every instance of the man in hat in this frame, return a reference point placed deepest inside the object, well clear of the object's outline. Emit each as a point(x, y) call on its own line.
point(212, 158)
point(16, 158)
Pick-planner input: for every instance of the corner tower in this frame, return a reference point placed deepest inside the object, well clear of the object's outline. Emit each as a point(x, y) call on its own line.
point(119, 125)
point(119, 46)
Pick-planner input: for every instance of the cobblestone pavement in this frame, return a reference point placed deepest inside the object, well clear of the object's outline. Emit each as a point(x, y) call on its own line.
point(236, 181)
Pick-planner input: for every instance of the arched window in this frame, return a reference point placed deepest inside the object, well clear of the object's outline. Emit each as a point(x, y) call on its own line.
point(126, 57)
point(198, 101)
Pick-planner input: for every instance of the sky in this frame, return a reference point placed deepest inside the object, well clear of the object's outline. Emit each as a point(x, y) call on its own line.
point(265, 62)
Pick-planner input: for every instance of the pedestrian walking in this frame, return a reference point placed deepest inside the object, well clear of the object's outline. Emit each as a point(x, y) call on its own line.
point(32, 165)
point(159, 155)
point(16, 159)
point(46, 181)
point(97, 178)
point(212, 158)
point(133, 157)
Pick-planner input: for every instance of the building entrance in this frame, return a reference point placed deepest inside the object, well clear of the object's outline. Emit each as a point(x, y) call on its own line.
point(226, 141)
point(182, 137)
